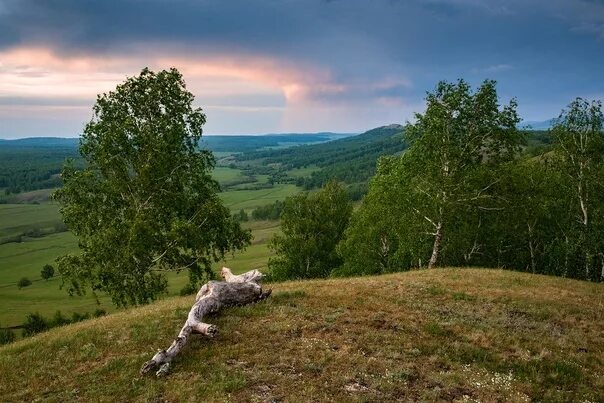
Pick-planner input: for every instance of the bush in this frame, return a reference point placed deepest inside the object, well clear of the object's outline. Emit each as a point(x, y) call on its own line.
point(99, 312)
point(78, 317)
point(23, 282)
point(34, 323)
point(6, 336)
point(268, 212)
point(34, 232)
point(312, 225)
point(188, 289)
point(241, 216)
point(58, 320)
point(47, 272)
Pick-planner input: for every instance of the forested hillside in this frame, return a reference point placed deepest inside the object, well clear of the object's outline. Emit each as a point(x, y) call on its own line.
point(30, 164)
point(350, 160)
point(35, 163)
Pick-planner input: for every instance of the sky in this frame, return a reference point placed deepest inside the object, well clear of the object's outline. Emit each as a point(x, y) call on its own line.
point(271, 66)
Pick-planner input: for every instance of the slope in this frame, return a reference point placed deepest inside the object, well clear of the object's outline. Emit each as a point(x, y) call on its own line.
point(445, 334)
point(351, 160)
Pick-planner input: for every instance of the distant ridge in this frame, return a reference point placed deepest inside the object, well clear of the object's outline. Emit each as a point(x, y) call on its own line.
point(41, 142)
point(351, 160)
point(537, 124)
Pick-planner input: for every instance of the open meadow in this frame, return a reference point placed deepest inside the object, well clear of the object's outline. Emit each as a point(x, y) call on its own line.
point(427, 335)
point(25, 259)
point(37, 226)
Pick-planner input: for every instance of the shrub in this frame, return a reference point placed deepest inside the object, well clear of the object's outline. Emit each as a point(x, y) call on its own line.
point(34, 323)
point(23, 282)
point(6, 336)
point(99, 312)
point(58, 320)
point(188, 289)
point(268, 212)
point(78, 317)
point(242, 216)
point(47, 272)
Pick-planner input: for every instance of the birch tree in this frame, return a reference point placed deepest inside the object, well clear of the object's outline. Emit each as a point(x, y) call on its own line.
point(460, 133)
point(311, 225)
point(579, 144)
point(145, 203)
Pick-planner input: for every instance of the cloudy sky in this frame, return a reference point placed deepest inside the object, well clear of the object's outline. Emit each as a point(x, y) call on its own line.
point(294, 65)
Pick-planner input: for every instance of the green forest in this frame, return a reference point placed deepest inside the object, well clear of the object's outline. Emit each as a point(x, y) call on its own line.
point(469, 191)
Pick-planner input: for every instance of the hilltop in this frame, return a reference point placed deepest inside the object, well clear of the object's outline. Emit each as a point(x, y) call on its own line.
point(444, 334)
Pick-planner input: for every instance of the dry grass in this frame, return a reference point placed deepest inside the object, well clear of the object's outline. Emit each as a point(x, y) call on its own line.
point(447, 334)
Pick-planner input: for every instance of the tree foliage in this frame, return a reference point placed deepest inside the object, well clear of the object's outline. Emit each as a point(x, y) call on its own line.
point(47, 272)
point(579, 147)
point(145, 202)
point(23, 282)
point(34, 323)
point(6, 336)
point(501, 207)
point(453, 144)
point(312, 225)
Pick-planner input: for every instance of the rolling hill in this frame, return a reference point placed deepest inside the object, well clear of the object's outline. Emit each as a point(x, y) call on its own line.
point(350, 160)
point(430, 335)
point(34, 163)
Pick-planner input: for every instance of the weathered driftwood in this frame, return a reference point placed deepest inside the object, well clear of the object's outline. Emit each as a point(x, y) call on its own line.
point(235, 290)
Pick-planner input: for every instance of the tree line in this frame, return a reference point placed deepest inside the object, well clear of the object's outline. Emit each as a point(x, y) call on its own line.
point(468, 192)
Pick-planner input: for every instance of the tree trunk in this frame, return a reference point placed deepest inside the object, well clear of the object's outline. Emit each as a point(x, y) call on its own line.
point(236, 290)
point(438, 235)
point(531, 248)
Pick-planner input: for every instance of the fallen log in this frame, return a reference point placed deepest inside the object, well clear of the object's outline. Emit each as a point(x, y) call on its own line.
point(236, 290)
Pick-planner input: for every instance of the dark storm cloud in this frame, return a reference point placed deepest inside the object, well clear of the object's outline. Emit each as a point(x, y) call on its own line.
point(351, 36)
point(544, 52)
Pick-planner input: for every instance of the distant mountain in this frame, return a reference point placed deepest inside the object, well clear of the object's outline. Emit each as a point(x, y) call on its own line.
point(246, 143)
point(537, 124)
point(223, 143)
point(42, 142)
point(33, 163)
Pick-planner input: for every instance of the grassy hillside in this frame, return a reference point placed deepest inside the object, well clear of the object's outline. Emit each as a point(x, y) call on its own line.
point(446, 334)
point(43, 236)
point(23, 219)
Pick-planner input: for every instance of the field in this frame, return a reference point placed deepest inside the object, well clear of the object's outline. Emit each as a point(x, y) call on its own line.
point(250, 199)
point(429, 335)
point(17, 219)
point(26, 258)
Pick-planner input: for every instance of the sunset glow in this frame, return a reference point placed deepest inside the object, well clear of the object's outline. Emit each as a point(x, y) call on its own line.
point(267, 69)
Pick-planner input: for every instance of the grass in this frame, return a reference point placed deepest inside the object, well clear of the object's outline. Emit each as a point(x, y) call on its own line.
point(519, 337)
point(226, 174)
point(26, 259)
point(250, 199)
point(32, 196)
point(16, 219)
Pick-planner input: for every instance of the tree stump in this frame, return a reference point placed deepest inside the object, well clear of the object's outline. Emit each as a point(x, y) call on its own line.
point(234, 291)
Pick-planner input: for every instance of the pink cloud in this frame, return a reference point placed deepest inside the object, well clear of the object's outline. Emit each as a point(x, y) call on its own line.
point(229, 87)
